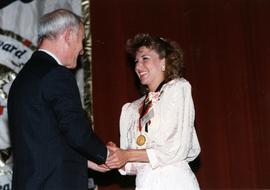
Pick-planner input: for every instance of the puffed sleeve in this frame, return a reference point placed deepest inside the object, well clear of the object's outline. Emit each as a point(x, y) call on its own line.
point(125, 125)
point(177, 140)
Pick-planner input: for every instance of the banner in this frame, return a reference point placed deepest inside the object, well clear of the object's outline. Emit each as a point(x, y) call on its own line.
point(18, 40)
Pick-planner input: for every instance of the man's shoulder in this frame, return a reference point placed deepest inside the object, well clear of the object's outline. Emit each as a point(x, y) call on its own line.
point(41, 64)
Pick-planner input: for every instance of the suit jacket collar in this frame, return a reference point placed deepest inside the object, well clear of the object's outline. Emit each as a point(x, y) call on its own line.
point(41, 56)
point(52, 55)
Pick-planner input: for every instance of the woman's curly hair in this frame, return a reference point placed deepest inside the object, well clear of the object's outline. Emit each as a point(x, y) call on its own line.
point(165, 48)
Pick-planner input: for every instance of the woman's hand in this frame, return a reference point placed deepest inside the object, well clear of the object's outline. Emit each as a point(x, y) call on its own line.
point(117, 158)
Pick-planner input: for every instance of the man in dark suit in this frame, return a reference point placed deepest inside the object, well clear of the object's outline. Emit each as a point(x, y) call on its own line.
point(51, 138)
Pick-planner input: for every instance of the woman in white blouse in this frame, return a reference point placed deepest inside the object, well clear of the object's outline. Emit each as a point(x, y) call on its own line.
point(157, 132)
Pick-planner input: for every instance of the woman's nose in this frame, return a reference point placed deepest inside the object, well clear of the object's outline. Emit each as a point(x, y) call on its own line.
point(139, 63)
point(138, 66)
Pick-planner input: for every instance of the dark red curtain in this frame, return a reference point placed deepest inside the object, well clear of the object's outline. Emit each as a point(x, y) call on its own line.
point(227, 56)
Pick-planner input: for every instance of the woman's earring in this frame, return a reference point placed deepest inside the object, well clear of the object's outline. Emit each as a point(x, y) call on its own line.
point(163, 68)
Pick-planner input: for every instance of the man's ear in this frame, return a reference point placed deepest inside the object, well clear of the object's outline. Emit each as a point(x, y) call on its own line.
point(68, 34)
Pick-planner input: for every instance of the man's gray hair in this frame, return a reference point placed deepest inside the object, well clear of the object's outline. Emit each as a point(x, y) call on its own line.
point(56, 22)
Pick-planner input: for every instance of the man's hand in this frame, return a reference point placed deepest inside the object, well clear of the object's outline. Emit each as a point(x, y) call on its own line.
point(100, 168)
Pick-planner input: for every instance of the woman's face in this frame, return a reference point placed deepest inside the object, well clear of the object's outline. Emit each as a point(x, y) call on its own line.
point(148, 67)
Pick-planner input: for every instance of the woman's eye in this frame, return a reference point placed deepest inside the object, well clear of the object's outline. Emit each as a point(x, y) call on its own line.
point(136, 61)
point(146, 58)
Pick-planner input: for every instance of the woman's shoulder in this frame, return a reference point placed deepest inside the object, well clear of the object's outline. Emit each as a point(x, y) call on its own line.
point(177, 83)
point(133, 105)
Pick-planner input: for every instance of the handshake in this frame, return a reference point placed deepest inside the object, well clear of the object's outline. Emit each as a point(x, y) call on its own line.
point(117, 158)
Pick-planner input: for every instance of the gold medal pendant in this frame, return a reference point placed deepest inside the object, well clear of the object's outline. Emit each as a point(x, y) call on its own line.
point(141, 140)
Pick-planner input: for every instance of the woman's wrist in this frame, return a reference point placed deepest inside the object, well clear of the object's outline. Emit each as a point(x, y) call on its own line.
point(127, 155)
point(135, 155)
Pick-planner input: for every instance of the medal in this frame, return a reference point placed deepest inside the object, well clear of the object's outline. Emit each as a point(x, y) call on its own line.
point(141, 140)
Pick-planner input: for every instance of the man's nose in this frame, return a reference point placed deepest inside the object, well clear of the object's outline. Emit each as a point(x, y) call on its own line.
point(81, 52)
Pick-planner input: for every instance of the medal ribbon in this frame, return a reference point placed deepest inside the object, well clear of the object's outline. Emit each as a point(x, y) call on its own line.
point(147, 105)
point(145, 109)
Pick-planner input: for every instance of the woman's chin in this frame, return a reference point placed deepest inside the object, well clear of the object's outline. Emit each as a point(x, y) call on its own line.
point(143, 82)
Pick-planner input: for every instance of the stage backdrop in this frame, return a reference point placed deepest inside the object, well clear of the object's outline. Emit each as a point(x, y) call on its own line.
point(227, 56)
point(18, 40)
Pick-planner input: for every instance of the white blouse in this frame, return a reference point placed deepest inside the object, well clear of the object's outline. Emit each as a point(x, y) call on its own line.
point(171, 140)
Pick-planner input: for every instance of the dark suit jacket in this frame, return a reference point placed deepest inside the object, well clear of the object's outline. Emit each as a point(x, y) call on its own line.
point(51, 138)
